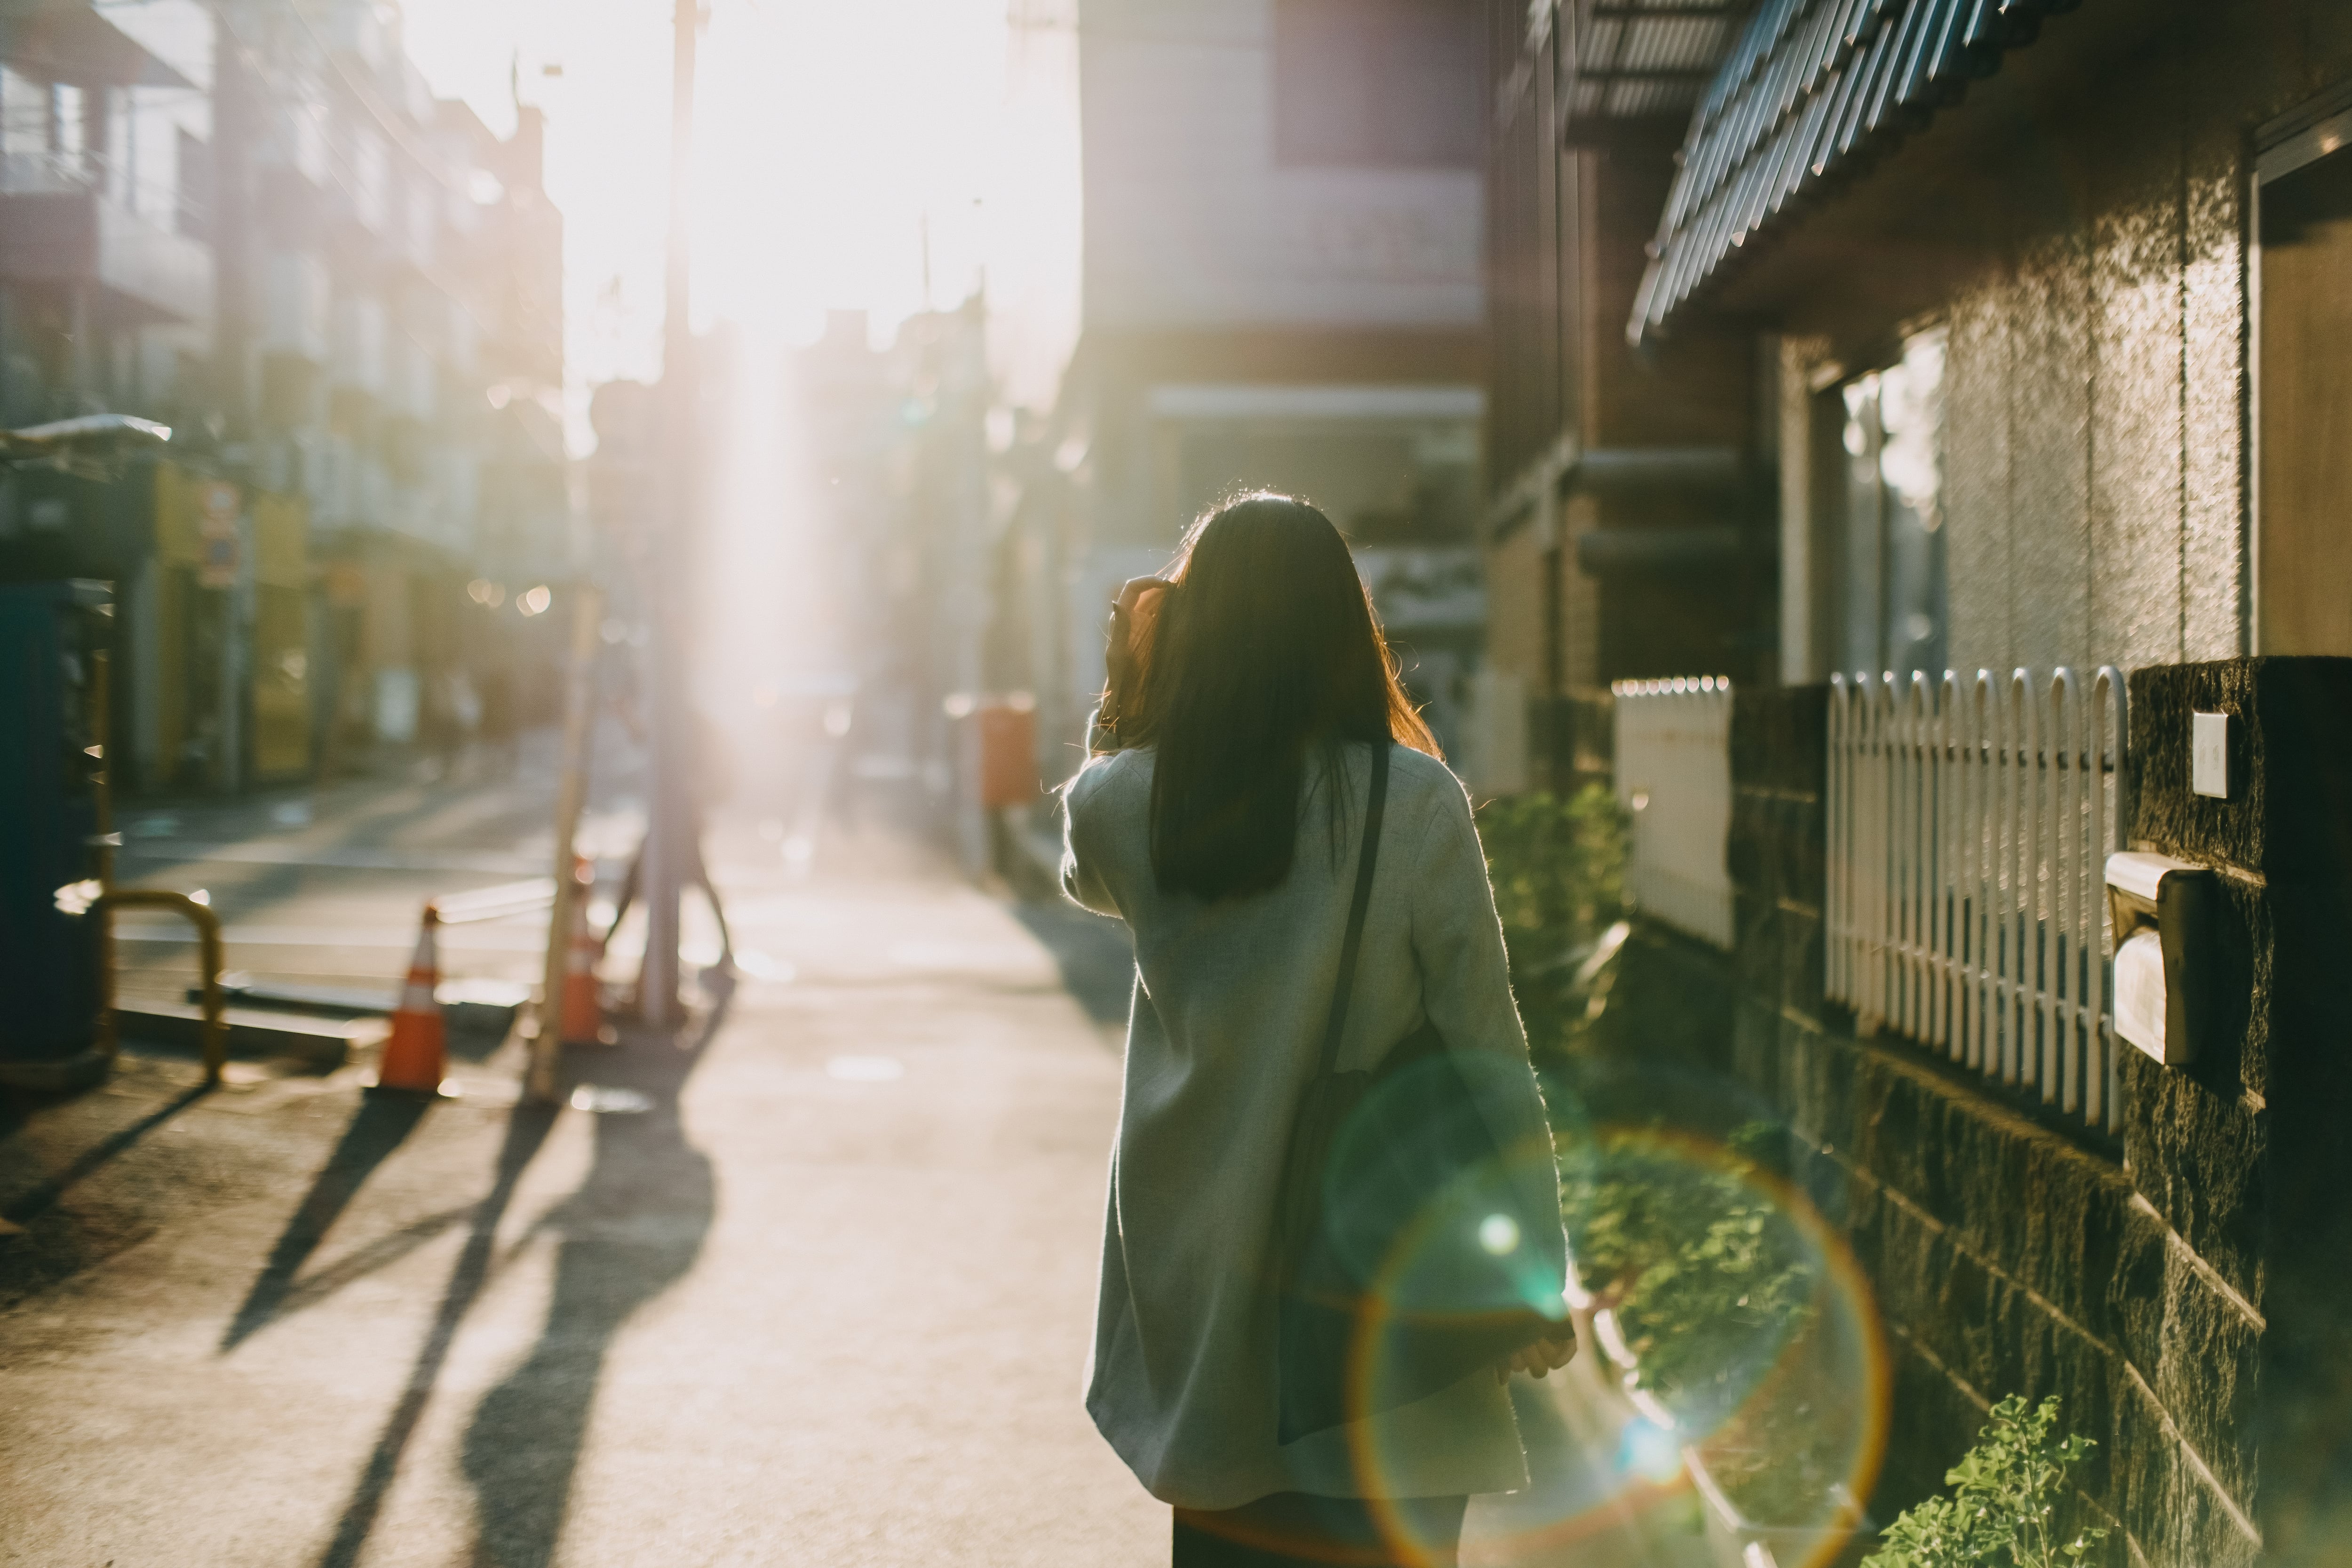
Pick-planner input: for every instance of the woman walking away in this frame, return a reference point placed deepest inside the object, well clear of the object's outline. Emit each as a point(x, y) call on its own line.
point(1253, 729)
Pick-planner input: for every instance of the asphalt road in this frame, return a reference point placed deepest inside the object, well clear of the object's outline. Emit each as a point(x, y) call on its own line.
point(812, 1285)
point(816, 1289)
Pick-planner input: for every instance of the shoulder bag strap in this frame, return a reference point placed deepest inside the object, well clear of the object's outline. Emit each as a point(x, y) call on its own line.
point(1337, 1024)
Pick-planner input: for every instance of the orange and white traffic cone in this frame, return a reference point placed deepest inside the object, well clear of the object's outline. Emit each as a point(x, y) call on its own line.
point(418, 1051)
point(581, 1015)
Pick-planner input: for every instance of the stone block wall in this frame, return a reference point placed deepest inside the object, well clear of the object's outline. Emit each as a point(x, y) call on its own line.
point(2186, 1289)
point(2008, 1256)
point(2244, 1153)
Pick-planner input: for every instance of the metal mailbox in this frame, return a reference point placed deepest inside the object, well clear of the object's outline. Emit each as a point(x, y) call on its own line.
point(2164, 914)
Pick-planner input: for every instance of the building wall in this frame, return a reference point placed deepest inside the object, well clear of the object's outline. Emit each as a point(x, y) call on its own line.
point(2094, 272)
point(2093, 503)
point(1212, 257)
point(1566, 231)
point(1516, 565)
point(1191, 220)
point(2242, 1150)
point(1534, 290)
point(1277, 292)
point(127, 145)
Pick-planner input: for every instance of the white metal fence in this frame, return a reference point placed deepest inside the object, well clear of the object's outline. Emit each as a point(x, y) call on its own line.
point(1969, 828)
point(1674, 777)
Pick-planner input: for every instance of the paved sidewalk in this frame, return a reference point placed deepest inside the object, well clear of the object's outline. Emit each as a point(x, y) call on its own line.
point(824, 1301)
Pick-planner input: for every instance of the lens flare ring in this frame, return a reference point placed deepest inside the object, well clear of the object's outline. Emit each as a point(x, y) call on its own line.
point(1823, 1374)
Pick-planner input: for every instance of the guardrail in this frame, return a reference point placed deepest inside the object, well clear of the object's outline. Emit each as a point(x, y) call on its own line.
point(208, 936)
point(1674, 778)
point(1970, 824)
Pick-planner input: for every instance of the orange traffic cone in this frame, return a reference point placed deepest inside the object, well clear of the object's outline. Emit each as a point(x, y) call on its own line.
point(418, 1050)
point(582, 1016)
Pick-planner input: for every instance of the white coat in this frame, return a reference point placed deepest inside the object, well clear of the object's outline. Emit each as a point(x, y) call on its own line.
point(1223, 1037)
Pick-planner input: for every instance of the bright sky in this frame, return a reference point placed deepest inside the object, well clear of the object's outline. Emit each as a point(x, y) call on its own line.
point(830, 135)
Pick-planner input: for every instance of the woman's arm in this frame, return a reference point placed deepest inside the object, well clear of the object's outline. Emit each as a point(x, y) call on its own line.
point(1457, 940)
point(1459, 937)
point(1082, 881)
point(1132, 614)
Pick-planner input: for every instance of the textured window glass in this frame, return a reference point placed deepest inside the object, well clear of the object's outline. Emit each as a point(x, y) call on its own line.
point(1892, 585)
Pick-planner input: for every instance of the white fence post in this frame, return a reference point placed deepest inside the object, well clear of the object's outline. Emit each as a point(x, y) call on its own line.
point(1969, 828)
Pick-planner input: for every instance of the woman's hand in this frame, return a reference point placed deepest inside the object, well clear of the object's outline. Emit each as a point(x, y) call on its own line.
point(1540, 1358)
point(1131, 615)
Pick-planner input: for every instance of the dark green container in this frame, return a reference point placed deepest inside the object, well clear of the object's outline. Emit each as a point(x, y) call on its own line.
point(48, 815)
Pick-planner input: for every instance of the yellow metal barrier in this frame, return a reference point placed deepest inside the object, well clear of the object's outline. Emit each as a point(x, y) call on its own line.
point(110, 898)
point(208, 936)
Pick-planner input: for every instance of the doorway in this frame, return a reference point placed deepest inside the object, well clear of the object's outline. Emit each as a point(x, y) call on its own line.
point(2301, 559)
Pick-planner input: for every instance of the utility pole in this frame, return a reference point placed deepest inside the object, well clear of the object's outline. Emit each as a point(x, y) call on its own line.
point(229, 223)
point(671, 825)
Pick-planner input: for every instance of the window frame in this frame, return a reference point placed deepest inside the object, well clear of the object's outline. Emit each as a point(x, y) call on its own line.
point(2320, 128)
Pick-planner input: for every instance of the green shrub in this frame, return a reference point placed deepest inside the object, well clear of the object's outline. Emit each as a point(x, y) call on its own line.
point(1558, 869)
point(1706, 1269)
point(1719, 1295)
point(2002, 1512)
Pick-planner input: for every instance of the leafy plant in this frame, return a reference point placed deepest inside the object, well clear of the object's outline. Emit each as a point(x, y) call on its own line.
point(1781, 1460)
point(1707, 1272)
point(2002, 1512)
point(1559, 871)
point(1720, 1297)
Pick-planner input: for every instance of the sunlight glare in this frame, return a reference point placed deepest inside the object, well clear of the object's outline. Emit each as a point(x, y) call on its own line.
point(832, 141)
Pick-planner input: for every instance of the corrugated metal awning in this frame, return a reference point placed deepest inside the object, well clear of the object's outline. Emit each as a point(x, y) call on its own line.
point(1638, 59)
point(1811, 91)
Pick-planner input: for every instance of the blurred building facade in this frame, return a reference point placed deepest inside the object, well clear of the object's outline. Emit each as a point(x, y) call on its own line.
point(105, 269)
point(108, 287)
point(400, 367)
point(252, 222)
point(911, 512)
point(1282, 289)
point(1628, 514)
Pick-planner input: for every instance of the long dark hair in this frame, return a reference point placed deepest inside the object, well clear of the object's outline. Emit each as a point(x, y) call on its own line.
point(1264, 650)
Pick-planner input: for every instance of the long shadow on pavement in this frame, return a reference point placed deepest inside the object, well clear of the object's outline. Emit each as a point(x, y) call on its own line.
point(375, 1131)
point(634, 1227)
point(527, 1130)
point(47, 1191)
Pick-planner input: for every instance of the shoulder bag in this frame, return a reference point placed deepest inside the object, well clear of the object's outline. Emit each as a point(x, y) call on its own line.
point(1403, 1264)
